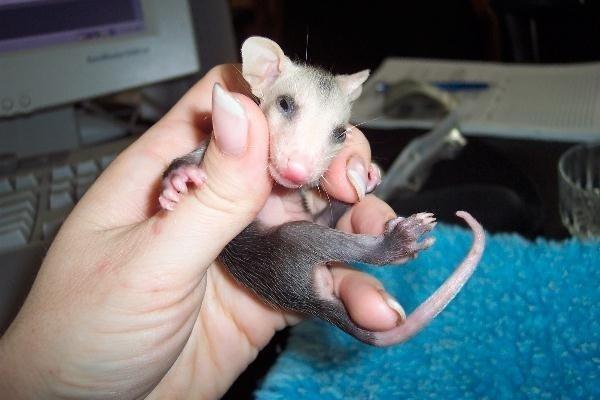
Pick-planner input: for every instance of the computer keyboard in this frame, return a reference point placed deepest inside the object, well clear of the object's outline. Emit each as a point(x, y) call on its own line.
point(34, 202)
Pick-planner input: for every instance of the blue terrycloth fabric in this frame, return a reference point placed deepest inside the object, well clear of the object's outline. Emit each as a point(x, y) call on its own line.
point(527, 326)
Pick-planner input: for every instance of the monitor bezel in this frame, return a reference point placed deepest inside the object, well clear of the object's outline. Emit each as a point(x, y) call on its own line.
point(64, 73)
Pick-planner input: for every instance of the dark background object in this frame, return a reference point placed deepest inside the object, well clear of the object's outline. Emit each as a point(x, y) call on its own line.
point(511, 183)
point(548, 30)
point(355, 34)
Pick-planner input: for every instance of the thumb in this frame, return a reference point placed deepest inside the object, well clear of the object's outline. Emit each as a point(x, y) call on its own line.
point(235, 189)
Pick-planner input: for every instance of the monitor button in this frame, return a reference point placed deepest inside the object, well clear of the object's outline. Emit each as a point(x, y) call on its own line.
point(7, 104)
point(24, 101)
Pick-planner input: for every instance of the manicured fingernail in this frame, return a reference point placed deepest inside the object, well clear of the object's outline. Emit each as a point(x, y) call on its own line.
point(394, 305)
point(357, 175)
point(230, 122)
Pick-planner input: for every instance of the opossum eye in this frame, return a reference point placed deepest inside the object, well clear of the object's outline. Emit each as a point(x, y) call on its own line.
point(339, 134)
point(286, 105)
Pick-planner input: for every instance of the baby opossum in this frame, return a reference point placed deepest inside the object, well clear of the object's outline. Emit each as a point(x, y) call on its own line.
point(307, 110)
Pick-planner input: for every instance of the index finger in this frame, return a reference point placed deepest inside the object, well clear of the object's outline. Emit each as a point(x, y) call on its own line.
point(356, 151)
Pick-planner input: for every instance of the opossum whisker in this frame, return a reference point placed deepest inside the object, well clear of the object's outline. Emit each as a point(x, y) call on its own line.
point(306, 54)
point(319, 190)
point(325, 179)
point(240, 78)
point(328, 198)
point(362, 123)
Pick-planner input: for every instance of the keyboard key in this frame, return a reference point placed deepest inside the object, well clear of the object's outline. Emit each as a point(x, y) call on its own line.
point(88, 167)
point(17, 197)
point(16, 207)
point(28, 181)
point(5, 186)
point(16, 225)
point(12, 238)
point(61, 200)
point(24, 195)
point(105, 160)
point(19, 215)
point(61, 173)
point(14, 202)
point(50, 228)
point(61, 186)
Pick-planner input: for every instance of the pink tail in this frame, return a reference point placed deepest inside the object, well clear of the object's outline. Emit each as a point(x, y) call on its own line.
point(431, 307)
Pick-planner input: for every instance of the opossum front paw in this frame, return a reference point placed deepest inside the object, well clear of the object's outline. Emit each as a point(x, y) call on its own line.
point(403, 234)
point(175, 184)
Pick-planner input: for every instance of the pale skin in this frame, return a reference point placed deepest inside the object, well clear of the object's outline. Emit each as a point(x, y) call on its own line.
point(130, 303)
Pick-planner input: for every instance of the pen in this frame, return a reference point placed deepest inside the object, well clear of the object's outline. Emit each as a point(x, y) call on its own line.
point(458, 85)
point(448, 86)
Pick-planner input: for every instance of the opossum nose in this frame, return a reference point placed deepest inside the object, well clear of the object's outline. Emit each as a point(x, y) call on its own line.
point(295, 172)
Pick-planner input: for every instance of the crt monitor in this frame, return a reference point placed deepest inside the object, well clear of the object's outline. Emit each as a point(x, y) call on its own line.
point(54, 53)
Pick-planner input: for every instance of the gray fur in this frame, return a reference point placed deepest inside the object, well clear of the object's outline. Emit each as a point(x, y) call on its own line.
point(193, 158)
point(325, 80)
point(278, 263)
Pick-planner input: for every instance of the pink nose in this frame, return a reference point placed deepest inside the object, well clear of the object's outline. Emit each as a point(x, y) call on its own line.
point(295, 173)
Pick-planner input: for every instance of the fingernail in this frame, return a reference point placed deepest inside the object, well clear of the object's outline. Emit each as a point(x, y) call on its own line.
point(394, 305)
point(230, 122)
point(374, 177)
point(357, 175)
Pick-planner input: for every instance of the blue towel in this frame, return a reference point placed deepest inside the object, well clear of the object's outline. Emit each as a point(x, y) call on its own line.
point(526, 326)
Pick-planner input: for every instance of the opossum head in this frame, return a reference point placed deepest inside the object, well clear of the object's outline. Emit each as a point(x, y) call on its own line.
point(307, 110)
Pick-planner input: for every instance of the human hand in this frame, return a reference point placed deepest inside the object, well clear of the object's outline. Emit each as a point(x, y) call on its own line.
point(129, 301)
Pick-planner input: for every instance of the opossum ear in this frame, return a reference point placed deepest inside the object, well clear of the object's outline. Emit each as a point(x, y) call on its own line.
point(352, 84)
point(263, 62)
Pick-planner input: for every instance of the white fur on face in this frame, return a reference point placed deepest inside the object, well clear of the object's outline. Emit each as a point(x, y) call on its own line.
point(307, 136)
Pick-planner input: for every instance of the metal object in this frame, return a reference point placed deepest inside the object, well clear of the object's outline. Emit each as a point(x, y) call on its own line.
point(411, 168)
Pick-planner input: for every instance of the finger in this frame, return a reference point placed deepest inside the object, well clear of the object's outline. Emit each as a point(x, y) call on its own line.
point(347, 178)
point(365, 299)
point(237, 185)
point(367, 217)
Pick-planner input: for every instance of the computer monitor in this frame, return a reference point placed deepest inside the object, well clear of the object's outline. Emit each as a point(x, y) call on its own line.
point(57, 52)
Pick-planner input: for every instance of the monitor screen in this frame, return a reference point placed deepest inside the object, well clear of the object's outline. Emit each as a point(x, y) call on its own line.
point(26, 24)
